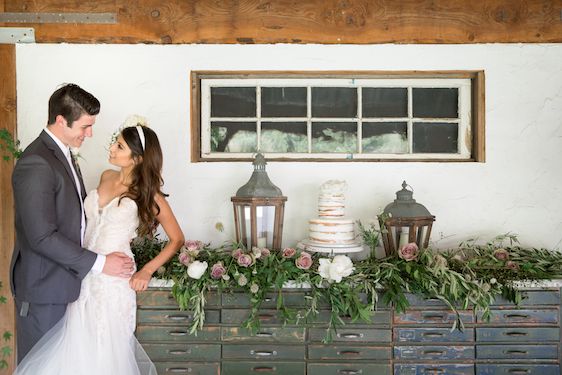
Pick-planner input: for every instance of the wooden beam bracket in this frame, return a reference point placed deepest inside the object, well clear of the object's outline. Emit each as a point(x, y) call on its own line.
point(12, 35)
point(79, 18)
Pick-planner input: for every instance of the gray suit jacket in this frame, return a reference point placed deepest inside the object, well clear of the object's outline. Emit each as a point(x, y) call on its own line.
point(48, 262)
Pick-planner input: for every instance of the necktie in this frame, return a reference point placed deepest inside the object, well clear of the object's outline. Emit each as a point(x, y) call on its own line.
point(75, 170)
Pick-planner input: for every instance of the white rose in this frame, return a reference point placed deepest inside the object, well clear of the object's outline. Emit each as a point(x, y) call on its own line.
point(196, 269)
point(336, 269)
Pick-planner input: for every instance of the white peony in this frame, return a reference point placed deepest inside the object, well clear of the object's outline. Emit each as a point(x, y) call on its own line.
point(336, 269)
point(196, 269)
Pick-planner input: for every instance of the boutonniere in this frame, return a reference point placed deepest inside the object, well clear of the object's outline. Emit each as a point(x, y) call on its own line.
point(75, 155)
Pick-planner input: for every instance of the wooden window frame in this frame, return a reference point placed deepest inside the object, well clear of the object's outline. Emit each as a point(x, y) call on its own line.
point(477, 119)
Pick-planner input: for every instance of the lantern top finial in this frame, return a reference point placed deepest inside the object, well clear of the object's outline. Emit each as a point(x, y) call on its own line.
point(259, 184)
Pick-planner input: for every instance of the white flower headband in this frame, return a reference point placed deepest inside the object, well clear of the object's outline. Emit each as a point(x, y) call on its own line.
point(132, 121)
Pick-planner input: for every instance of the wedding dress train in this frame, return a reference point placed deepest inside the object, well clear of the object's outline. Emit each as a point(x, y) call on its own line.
point(96, 334)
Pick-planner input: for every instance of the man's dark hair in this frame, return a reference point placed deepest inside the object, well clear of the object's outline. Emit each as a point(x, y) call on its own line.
point(71, 102)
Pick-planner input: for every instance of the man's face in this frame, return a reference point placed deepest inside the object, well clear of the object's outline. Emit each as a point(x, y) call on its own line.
point(81, 128)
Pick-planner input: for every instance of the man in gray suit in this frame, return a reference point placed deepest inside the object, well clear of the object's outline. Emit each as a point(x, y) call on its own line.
point(49, 262)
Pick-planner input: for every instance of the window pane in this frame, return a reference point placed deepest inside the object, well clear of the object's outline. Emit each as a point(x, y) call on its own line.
point(385, 102)
point(283, 101)
point(334, 102)
point(233, 101)
point(284, 137)
point(385, 137)
point(233, 136)
point(436, 137)
point(334, 137)
point(435, 103)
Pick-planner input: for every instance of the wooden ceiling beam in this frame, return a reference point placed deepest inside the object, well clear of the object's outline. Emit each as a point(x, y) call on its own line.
point(304, 21)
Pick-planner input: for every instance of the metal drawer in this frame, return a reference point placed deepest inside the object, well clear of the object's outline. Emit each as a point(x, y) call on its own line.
point(522, 316)
point(174, 316)
point(517, 334)
point(432, 317)
point(164, 298)
point(433, 352)
point(266, 352)
point(433, 369)
point(175, 368)
point(237, 316)
point(433, 335)
point(265, 334)
point(517, 351)
point(176, 334)
point(179, 352)
point(517, 369)
point(270, 302)
point(534, 297)
point(351, 335)
point(349, 352)
point(269, 367)
point(379, 317)
point(355, 368)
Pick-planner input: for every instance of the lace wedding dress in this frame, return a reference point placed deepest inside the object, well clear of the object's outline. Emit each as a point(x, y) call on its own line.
point(96, 335)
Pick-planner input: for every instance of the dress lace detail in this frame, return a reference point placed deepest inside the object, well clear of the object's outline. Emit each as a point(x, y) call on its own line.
point(96, 335)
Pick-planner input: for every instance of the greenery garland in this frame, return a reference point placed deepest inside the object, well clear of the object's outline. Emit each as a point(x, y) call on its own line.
point(470, 276)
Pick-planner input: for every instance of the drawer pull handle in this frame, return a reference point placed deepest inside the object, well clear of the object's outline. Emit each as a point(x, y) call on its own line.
point(266, 316)
point(519, 371)
point(265, 334)
point(511, 316)
point(433, 371)
point(434, 352)
point(179, 370)
point(432, 334)
point(179, 351)
point(349, 352)
point(268, 299)
point(522, 352)
point(516, 333)
point(263, 369)
point(434, 316)
point(263, 353)
point(177, 333)
point(177, 317)
point(350, 372)
point(349, 335)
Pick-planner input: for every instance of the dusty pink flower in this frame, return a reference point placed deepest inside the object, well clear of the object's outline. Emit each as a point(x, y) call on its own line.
point(192, 245)
point(218, 270)
point(501, 254)
point(245, 260)
point(236, 253)
point(409, 252)
point(511, 265)
point(184, 258)
point(289, 252)
point(265, 252)
point(304, 261)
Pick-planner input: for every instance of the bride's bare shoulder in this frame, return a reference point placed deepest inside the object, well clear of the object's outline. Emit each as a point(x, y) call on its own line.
point(108, 175)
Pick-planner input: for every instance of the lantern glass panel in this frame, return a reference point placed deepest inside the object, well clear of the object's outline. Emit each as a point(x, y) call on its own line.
point(265, 220)
point(245, 224)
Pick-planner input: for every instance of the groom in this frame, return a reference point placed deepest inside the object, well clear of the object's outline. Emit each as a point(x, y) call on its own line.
point(49, 261)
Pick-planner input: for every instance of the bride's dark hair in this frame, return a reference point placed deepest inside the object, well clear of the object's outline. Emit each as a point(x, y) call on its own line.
point(146, 181)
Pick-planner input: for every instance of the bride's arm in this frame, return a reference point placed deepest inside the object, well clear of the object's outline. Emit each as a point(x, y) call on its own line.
point(139, 281)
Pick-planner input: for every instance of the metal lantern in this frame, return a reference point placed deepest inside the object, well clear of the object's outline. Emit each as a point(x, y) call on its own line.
point(405, 221)
point(258, 210)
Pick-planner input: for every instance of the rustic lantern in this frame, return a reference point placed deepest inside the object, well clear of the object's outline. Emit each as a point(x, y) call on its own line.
point(405, 221)
point(258, 210)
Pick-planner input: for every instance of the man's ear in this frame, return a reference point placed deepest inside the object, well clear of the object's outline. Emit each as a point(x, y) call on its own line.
point(60, 121)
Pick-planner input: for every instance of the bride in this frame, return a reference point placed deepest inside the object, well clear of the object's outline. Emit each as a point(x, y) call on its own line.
point(96, 334)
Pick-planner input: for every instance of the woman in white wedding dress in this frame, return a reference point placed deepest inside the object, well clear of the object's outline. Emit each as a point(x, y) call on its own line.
point(96, 335)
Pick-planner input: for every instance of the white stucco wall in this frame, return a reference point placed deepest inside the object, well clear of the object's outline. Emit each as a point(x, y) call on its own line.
point(518, 189)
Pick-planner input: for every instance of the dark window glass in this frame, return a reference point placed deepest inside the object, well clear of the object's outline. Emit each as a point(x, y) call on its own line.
point(385, 102)
point(233, 136)
point(283, 101)
point(334, 102)
point(435, 137)
point(284, 137)
point(435, 102)
point(334, 137)
point(233, 101)
point(385, 137)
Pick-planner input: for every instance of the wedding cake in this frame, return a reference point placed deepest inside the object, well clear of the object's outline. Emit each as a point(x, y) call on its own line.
point(331, 231)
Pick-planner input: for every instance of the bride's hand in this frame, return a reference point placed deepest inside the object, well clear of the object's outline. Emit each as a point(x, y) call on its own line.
point(139, 281)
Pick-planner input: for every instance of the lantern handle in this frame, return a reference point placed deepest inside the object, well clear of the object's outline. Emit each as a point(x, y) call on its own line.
point(404, 185)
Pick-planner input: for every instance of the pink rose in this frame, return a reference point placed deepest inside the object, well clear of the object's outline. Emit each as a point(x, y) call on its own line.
point(511, 265)
point(304, 261)
point(245, 260)
point(236, 253)
point(501, 254)
point(289, 252)
point(192, 245)
point(218, 270)
point(265, 252)
point(184, 258)
point(409, 252)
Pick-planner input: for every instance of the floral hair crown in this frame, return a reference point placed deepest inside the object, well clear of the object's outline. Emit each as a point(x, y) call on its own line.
point(131, 121)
